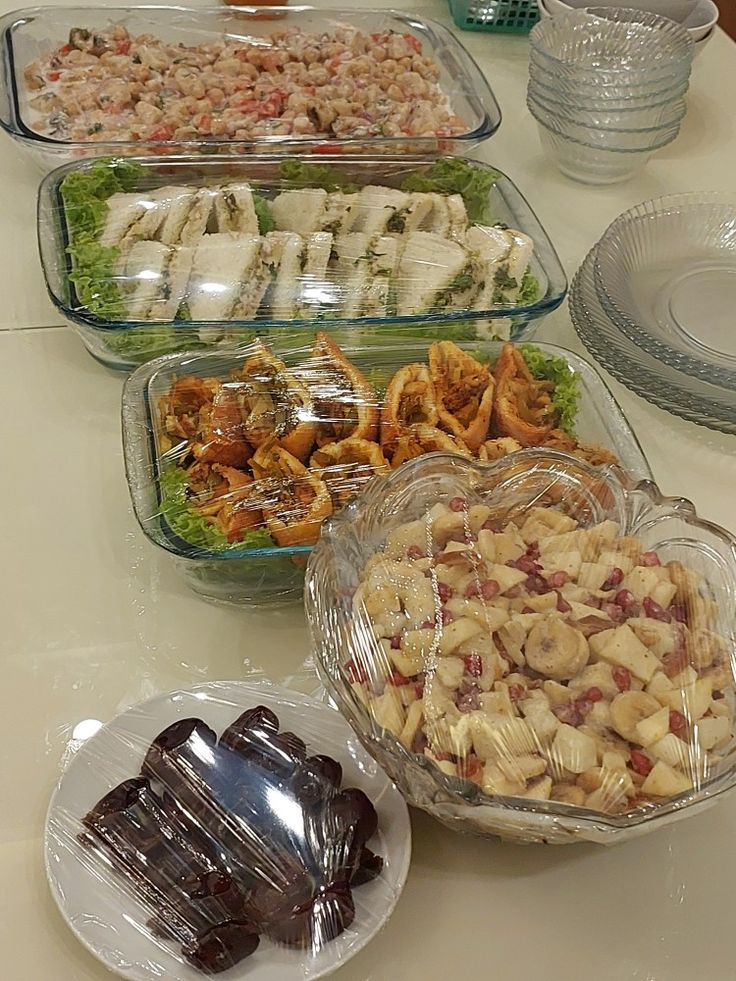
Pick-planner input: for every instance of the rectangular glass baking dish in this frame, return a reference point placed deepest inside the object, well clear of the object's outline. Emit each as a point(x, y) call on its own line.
point(274, 574)
point(29, 33)
point(122, 344)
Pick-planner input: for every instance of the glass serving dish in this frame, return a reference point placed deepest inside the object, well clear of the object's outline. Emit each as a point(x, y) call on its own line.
point(706, 403)
point(498, 711)
point(665, 272)
point(365, 279)
point(274, 573)
point(36, 32)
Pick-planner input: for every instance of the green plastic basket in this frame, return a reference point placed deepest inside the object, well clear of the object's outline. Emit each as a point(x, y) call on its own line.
point(509, 16)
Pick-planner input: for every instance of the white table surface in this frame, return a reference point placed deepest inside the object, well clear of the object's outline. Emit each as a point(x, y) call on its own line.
point(94, 619)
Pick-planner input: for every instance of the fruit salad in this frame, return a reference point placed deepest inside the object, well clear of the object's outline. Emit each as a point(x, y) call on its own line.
point(542, 659)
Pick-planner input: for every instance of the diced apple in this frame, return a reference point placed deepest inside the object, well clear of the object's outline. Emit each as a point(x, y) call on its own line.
point(539, 789)
point(640, 581)
point(457, 632)
point(568, 562)
point(388, 712)
point(592, 575)
point(598, 641)
point(663, 781)
point(506, 576)
point(495, 782)
point(450, 671)
point(414, 719)
point(687, 677)
point(478, 514)
point(616, 560)
point(658, 684)
point(556, 693)
point(498, 703)
point(565, 542)
point(596, 675)
point(659, 637)
point(693, 702)
point(673, 751)
point(508, 547)
point(446, 766)
point(713, 732)
point(654, 728)
point(491, 617)
point(626, 650)
point(719, 708)
point(544, 723)
point(663, 593)
point(418, 643)
point(613, 761)
point(542, 603)
point(573, 750)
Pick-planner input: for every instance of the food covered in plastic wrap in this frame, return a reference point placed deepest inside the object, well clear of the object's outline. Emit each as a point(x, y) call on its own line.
point(240, 454)
point(535, 630)
point(230, 838)
point(152, 258)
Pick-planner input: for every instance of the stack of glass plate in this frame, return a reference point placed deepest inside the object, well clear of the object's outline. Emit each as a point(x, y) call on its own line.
point(655, 303)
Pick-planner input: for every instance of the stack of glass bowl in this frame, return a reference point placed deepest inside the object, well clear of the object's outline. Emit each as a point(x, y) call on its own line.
point(607, 87)
point(654, 303)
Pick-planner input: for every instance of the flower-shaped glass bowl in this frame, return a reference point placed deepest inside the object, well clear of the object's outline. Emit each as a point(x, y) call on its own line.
point(590, 164)
point(612, 44)
point(345, 641)
point(665, 273)
point(636, 141)
point(591, 94)
point(627, 120)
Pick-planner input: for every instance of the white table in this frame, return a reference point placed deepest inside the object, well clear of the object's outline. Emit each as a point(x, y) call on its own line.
point(94, 619)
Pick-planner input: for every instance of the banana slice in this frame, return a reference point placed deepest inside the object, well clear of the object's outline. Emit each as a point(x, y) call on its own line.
point(629, 709)
point(556, 650)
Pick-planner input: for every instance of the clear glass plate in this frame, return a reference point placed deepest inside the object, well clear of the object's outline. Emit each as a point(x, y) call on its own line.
point(665, 273)
point(690, 398)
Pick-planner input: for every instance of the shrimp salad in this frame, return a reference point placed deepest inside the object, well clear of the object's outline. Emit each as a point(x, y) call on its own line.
point(339, 84)
point(544, 660)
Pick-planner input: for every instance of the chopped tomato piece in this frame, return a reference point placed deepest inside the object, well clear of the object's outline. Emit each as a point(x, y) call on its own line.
point(54, 76)
point(123, 47)
point(413, 43)
point(161, 133)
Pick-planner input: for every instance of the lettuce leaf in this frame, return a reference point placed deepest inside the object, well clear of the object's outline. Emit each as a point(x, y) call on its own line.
point(530, 290)
point(186, 522)
point(266, 222)
point(457, 176)
point(299, 174)
point(566, 391)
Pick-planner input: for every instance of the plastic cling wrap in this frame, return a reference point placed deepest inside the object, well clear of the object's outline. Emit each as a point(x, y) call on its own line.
point(82, 81)
point(533, 648)
point(235, 460)
point(234, 828)
point(151, 256)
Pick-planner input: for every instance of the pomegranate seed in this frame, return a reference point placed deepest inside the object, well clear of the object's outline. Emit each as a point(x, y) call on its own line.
point(525, 564)
point(419, 689)
point(655, 611)
point(489, 526)
point(489, 589)
point(445, 617)
point(474, 665)
point(457, 504)
point(678, 722)
point(640, 763)
point(471, 590)
point(516, 692)
point(622, 678)
point(536, 584)
point(624, 598)
point(397, 678)
point(396, 642)
point(558, 579)
point(514, 592)
point(613, 611)
point(568, 713)
point(583, 705)
point(533, 550)
point(594, 694)
point(649, 558)
point(357, 674)
point(562, 605)
point(445, 592)
point(675, 662)
point(594, 601)
point(527, 609)
point(414, 552)
point(678, 613)
point(615, 579)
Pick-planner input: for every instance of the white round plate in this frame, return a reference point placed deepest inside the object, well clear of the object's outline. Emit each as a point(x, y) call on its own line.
point(103, 911)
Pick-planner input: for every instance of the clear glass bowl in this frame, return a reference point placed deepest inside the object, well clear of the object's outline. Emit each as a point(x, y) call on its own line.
point(341, 632)
point(26, 34)
point(619, 97)
point(590, 164)
point(665, 272)
point(636, 141)
point(635, 83)
point(611, 44)
point(122, 344)
point(705, 403)
point(628, 120)
point(276, 574)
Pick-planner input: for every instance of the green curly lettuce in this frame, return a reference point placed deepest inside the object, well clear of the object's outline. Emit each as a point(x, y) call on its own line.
point(85, 195)
point(455, 176)
point(566, 393)
point(186, 522)
point(262, 208)
point(530, 290)
point(300, 174)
